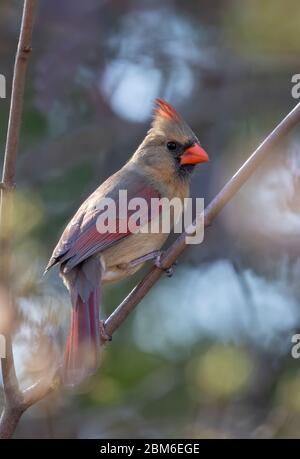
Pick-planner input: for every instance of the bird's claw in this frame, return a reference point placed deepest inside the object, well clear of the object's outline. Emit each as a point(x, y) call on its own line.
point(170, 270)
point(103, 334)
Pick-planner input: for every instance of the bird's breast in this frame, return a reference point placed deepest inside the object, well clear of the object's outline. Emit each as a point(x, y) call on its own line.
point(141, 243)
point(130, 248)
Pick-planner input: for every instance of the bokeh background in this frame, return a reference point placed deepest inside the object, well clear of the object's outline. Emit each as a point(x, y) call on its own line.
point(207, 354)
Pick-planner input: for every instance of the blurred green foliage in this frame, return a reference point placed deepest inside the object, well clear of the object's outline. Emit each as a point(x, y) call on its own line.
point(260, 27)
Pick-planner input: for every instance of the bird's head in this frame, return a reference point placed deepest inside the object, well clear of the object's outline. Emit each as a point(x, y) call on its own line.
point(170, 143)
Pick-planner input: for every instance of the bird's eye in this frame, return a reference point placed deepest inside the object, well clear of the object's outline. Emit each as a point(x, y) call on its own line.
point(171, 146)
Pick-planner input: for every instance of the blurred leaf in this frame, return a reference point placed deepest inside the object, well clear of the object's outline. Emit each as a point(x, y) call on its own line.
point(288, 392)
point(27, 214)
point(258, 26)
point(222, 372)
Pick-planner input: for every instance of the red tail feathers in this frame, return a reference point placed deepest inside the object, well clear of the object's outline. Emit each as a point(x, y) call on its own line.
point(82, 353)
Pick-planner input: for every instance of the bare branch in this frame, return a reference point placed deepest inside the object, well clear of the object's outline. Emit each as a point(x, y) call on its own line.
point(40, 390)
point(116, 319)
point(12, 394)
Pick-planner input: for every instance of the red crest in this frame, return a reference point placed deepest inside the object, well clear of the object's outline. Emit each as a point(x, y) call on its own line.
point(165, 110)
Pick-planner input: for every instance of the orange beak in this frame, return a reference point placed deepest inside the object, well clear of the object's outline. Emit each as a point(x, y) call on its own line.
point(194, 155)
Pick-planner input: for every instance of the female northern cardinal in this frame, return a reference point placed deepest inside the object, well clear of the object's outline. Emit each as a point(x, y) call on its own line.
point(160, 167)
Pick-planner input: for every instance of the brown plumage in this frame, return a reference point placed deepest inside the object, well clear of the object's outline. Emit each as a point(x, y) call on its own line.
point(160, 167)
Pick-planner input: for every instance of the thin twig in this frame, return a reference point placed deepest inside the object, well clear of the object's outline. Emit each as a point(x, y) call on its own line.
point(13, 396)
point(116, 319)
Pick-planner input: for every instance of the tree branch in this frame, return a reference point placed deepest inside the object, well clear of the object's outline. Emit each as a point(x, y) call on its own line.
point(13, 396)
point(116, 319)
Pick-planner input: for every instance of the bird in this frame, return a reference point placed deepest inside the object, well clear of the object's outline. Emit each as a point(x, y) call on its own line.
point(88, 258)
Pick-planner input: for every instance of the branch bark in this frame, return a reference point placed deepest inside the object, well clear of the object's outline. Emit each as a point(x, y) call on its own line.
point(14, 401)
point(116, 319)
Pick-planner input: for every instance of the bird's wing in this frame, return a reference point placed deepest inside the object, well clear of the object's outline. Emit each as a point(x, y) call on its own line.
point(81, 238)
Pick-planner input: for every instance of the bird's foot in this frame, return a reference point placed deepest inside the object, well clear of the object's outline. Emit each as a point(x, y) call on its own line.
point(156, 256)
point(149, 256)
point(104, 336)
point(170, 270)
